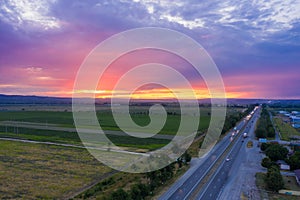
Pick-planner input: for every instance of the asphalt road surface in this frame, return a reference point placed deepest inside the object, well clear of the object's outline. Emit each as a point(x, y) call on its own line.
point(185, 186)
point(213, 188)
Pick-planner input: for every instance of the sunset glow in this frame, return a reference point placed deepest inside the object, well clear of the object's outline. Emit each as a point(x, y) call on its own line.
point(44, 43)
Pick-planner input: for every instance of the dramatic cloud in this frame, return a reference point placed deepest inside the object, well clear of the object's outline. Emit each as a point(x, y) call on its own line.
point(255, 44)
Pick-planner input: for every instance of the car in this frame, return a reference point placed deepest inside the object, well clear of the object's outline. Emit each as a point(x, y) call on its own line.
point(242, 140)
point(227, 159)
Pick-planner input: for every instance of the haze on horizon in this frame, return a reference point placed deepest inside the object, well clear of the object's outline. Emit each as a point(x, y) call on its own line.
point(255, 44)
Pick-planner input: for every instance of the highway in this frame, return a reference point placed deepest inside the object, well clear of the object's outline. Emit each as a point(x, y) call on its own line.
point(187, 185)
point(212, 189)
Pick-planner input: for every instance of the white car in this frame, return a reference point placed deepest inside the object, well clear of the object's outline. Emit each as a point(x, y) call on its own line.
point(227, 159)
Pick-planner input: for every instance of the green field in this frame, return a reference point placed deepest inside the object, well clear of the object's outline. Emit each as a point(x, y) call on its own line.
point(73, 138)
point(64, 120)
point(106, 120)
point(34, 171)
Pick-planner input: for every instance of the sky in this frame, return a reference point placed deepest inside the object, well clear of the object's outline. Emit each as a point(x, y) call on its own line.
point(255, 44)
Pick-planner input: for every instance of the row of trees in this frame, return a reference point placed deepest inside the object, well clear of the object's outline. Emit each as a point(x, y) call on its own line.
point(232, 118)
point(264, 126)
point(137, 191)
point(154, 180)
point(274, 152)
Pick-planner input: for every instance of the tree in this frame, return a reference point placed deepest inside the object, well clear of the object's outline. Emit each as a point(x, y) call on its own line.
point(271, 132)
point(120, 194)
point(145, 190)
point(294, 161)
point(135, 193)
point(265, 127)
point(187, 157)
point(266, 162)
point(276, 152)
point(264, 146)
point(274, 180)
point(260, 132)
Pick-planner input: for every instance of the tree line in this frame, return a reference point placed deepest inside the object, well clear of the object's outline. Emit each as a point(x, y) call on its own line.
point(140, 190)
point(232, 118)
point(264, 127)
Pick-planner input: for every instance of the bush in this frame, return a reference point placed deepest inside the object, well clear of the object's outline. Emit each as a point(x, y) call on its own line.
point(139, 191)
point(120, 194)
point(266, 162)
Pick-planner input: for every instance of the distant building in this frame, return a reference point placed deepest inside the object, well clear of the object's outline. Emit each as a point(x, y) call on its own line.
point(296, 125)
point(282, 112)
point(295, 121)
point(283, 165)
point(297, 174)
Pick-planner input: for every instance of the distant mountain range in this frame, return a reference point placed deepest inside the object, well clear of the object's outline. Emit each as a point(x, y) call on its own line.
point(42, 100)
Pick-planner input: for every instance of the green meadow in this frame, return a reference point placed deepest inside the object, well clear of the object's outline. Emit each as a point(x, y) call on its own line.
point(105, 117)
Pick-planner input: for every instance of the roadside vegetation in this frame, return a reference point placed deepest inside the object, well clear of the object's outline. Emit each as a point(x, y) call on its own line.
point(273, 179)
point(142, 186)
point(264, 127)
point(285, 129)
point(260, 183)
point(233, 117)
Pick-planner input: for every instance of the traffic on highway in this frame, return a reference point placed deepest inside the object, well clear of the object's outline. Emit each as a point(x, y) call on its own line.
point(206, 179)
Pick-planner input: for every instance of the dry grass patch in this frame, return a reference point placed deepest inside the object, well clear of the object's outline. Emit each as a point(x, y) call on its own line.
point(34, 171)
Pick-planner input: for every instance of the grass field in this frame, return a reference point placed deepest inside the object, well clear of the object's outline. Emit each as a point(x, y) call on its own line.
point(285, 129)
point(105, 117)
point(106, 120)
point(65, 119)
point(73, 138)
point(33, 171)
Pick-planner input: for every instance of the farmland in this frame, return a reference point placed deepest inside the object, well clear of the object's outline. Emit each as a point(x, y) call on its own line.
point(41, 171)
point(106, 120)
point(34, 171)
